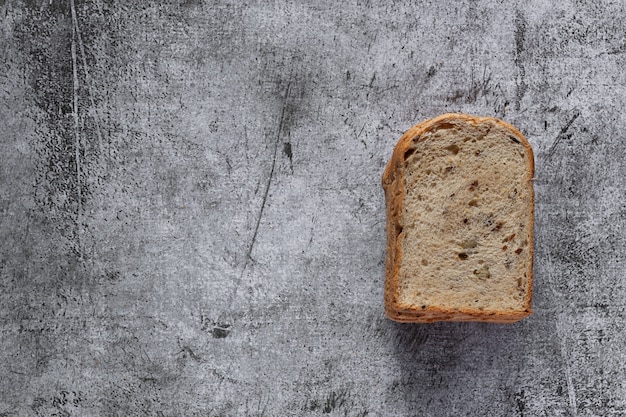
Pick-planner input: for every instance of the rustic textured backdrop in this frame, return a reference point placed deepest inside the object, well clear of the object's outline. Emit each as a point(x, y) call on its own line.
point(192, 222)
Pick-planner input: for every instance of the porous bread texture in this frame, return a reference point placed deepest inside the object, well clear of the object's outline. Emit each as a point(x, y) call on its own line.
point(460, 213)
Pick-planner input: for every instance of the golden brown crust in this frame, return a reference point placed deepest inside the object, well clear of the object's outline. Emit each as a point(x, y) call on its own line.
point(394, 195)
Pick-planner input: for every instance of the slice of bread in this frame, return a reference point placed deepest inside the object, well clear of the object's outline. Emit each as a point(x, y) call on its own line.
point(460, 214)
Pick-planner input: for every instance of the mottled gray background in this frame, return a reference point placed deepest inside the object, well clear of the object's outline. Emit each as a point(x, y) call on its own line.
point(192, 222)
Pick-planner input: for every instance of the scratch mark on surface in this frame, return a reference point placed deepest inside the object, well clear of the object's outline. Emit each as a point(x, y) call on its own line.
point(369, 46)
point(265, 195)
point(561, 135)
point(76, 135)
point(245, 137)
point(479, 88)
point(520, 38)
point(308, 246)
point(335, 400)
point(360, 131)
point(571, 393)
point(269, 180)
point(186, 350)
point(359, 135)
point(550, 270)
point(372, 80)
point(81, 45)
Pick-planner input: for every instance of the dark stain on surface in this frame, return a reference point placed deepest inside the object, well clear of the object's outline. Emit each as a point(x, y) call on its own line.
point(56, 39)
point(520, 33)
point(288, 152)
point(112, 276)
point(520, 403)
point(456, 96)
point(191, 3)
point(431, 72)
point(221, 330)
point(408, 339)
point(520, 39)
point(46, 36)
point(55, 6)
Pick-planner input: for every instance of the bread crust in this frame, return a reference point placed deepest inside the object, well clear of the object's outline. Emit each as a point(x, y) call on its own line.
point(392, 182)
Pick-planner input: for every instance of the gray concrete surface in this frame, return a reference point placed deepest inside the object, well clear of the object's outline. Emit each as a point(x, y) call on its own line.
point(192, 222)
